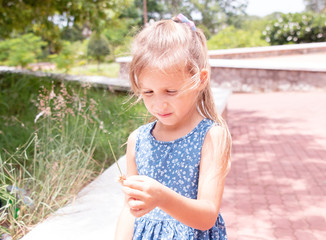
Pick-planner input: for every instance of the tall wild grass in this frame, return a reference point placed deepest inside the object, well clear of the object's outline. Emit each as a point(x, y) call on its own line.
point(54, 140)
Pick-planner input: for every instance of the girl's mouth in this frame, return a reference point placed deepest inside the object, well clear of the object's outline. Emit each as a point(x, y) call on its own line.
point(164, 115)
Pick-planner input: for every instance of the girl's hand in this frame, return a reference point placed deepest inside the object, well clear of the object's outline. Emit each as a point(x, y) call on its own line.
point(143, 194)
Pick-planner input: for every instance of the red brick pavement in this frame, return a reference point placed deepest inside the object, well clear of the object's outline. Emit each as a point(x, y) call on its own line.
point(276, 188)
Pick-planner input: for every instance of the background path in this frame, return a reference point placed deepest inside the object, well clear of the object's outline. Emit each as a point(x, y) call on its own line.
point(276, 188)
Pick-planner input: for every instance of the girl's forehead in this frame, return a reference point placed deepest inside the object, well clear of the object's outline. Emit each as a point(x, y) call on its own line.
point(158, 77)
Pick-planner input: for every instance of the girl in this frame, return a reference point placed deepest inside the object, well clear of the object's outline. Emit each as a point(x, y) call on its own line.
point(176, 165)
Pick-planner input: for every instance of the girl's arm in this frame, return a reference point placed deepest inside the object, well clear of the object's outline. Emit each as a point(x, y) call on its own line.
point(126, 220)
point(201, 213)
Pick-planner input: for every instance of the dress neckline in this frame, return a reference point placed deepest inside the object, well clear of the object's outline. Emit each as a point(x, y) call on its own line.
point(178, 139)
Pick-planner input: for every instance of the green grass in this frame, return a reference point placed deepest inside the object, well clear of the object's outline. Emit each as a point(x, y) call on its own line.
point(104, 69)
point(20, 93)
point(53, 156)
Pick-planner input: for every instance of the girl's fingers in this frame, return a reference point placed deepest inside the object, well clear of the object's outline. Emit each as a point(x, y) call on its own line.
point(135, 204)
point(133, 193)
point(139, 178)
point(136, 207)
point(133, 184)
point(138, 212)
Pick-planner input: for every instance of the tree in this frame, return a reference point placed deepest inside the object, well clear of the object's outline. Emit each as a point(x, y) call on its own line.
point(119, 33)
point(211, 13)
point(317, 6)
point(73, 33)
point(174, 7)
point(154, 9)
point(21, 15)
point(98, 48)
point(234, 11)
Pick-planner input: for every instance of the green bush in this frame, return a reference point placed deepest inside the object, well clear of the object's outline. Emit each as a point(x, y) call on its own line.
point(230, 37)
point(98, 47)
point(71, 55)
point(79, 49)
point(21, 51)
point(296, 28)
point(66, 58)
point(4, 51)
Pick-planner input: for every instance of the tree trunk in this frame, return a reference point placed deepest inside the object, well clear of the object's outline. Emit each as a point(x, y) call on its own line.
point(145, 11)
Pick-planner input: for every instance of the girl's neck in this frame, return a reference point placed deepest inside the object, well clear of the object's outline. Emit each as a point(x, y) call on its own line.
point(168, 133)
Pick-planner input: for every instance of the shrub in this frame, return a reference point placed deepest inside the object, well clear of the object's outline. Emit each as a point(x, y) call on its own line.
point(296, 28)
point(21, 51)
point(4, 51)
point(230, 37)
point(98, 47)
point(66, 58)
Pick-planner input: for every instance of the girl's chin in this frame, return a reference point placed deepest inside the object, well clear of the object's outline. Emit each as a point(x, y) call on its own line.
point(167, 121)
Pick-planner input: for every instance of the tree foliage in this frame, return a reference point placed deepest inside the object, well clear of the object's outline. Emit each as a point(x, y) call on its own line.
point(56, 21)
point(20, 15)
point(210, 13)
point(230, 37)
point(296, 28)
point(317, 6)
point(233, 10)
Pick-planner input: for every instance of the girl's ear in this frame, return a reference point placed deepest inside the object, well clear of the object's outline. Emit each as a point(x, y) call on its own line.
point(203, 78)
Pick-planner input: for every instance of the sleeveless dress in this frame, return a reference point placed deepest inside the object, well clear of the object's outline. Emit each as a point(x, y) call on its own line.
point(176, 165)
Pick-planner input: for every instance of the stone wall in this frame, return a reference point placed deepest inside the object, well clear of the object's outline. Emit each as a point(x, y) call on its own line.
point(270, 51)
point(262, 80)
point(240, 75)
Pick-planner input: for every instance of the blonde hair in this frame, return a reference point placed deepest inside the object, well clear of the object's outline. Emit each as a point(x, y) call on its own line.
point(170, 44)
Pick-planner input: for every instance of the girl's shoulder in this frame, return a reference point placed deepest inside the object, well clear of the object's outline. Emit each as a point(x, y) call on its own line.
point(143, 130)
point(215, 131)
point(206, 125)
point(146, 126)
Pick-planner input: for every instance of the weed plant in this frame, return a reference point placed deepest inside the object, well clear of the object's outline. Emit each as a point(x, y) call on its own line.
point(111, 113)
point(54, 140)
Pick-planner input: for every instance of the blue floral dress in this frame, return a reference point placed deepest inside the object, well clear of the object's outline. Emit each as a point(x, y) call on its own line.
point(176, 165)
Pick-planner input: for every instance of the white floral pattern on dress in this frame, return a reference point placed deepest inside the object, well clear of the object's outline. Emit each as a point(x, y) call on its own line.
point(175, 164)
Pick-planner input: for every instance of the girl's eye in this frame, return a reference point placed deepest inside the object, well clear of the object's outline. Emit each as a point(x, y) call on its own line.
point(147, 92)
point(171, 92)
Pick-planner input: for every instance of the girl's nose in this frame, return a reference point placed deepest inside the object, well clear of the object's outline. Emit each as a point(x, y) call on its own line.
point(164, 105)
point(160, 103)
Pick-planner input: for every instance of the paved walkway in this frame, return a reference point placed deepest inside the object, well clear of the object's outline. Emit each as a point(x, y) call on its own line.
point(277, 185)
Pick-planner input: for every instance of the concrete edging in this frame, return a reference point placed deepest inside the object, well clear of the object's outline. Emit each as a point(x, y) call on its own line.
point(92, 215)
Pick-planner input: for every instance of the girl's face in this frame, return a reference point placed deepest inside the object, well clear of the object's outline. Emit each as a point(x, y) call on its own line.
point(166, 98)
